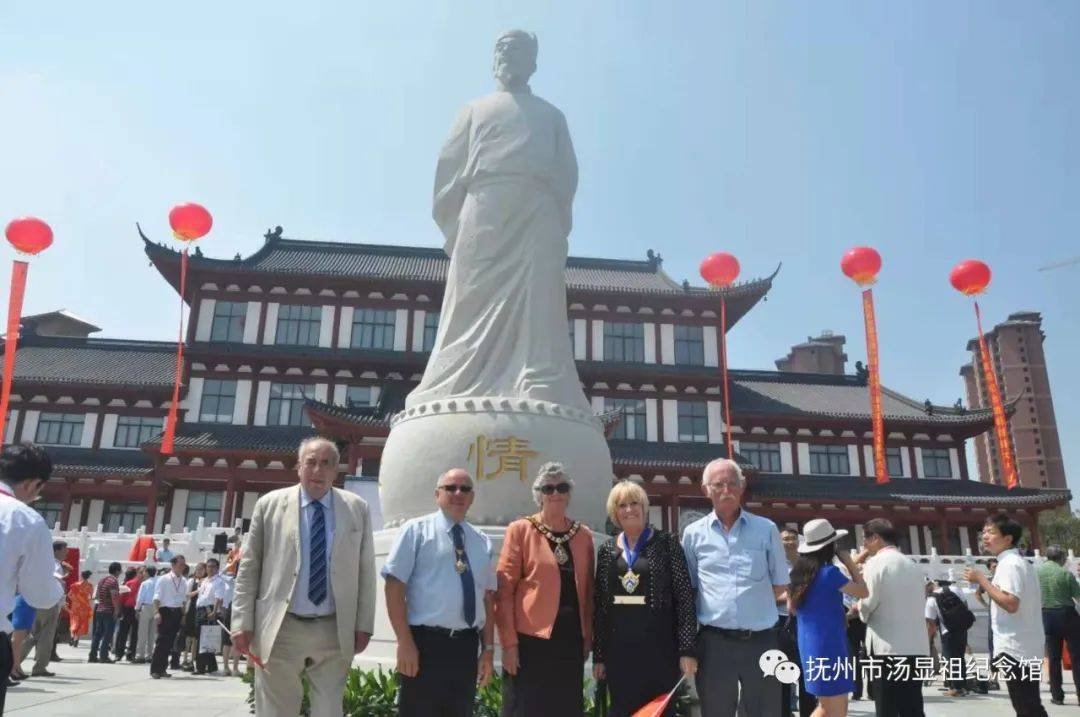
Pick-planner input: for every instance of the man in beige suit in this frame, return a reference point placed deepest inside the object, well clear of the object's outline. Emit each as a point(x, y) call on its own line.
point(305, 590)
point(895, 626)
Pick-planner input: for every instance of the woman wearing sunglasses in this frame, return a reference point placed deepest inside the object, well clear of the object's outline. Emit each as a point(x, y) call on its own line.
point(543, 607)
point(645, 625)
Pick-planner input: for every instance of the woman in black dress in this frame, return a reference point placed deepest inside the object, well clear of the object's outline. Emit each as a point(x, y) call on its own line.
point(190, 630)
point(645, 621)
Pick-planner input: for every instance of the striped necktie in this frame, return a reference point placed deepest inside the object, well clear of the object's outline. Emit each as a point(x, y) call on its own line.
point(317, 555)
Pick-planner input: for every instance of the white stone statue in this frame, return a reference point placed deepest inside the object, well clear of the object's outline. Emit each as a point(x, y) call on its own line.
point(501, 395)
point(504, 186)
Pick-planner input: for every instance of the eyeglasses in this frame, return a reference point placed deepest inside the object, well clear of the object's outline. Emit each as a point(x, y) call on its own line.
point(456, 488)
point(720, 485)
point(560, 488)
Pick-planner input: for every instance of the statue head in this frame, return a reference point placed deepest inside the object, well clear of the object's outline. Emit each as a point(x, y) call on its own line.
point(515, 58)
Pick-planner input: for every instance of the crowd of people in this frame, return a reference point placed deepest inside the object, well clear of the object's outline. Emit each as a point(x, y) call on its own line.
point(733, 594)
point(122, 614)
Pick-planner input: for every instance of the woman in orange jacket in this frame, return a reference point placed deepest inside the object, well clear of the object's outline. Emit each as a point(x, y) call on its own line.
point(543, 607)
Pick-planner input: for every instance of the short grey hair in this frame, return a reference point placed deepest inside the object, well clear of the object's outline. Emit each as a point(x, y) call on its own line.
point(718, 463)
point(1055, 553)
point(312, 440)
point(446, 473)
point(546, 474)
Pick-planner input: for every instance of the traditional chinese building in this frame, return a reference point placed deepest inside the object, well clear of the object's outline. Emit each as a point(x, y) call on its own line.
point(304, 337)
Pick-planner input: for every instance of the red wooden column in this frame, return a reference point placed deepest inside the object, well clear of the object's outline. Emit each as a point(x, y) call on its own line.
point(230, 498)
point(943, 534)
point(65, 512)
point(151, 505)
point(353, 457)
point(1033, 527)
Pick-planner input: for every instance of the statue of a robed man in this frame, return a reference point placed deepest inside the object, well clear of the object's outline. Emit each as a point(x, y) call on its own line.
point(501, 395)
point(504, 186)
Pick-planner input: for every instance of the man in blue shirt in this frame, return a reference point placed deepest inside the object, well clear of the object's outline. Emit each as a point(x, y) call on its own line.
point(737, 565)
point(439, 585)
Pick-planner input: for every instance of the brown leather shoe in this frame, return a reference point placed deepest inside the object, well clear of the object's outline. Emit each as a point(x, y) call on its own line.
point(42, 673)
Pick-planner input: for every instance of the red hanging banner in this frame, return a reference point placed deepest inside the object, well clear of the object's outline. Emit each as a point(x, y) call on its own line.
point(169, 436)
point(724, 374)
point(1001, 426)
point(15, 302)
point(876, 418)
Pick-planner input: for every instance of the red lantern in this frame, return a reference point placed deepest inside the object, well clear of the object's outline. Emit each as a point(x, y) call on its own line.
point(861, 264)
point(29, 235)
point(720, 269)
point(190, 221)
point(970, 277)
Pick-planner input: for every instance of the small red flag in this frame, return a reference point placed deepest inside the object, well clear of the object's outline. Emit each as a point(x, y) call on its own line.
point(656, 706)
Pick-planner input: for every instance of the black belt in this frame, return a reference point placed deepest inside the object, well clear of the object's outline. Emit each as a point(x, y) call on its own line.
point(310, 618)
point(736, 634)
point(445, 631)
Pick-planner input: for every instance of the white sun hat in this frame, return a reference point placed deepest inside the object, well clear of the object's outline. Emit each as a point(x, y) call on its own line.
point(818, 533)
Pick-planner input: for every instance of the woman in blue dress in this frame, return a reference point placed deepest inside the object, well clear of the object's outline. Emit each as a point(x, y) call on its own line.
point(815, 596)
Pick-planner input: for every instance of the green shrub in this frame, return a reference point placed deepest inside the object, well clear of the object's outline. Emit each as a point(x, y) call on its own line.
point(373, 693)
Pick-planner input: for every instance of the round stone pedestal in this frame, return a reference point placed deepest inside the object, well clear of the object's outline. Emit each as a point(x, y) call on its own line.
point(501, 442)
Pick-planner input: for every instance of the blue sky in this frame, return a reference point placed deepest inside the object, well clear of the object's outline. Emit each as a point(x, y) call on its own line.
point(778, 131)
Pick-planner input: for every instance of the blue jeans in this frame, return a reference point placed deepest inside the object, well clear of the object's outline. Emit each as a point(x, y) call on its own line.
point(102, 637)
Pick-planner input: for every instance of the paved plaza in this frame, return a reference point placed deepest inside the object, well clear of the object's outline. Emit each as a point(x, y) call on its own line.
point(124, 690)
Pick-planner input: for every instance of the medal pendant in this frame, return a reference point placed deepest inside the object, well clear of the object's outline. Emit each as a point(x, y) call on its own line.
point(561, 556)
point(461, 567)
point(630, 581)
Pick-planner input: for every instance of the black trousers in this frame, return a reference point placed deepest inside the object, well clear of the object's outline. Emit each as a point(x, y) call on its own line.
point(7, 661)
point(166, 634)
point(204, 661)
point(1023, 691)
point(856, 637)
point(897, 698)
point(953, 648)
point(787, 635)
point(1061, 625)
point(126, 633)
point(445, 686)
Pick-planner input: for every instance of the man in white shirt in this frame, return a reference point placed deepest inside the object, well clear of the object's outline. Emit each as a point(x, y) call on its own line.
point(26, 560)
point(208, 610)
point(227, 652)
point(893, 613)
point(954, 638)
point(1015, 613)
point(165, 555)
point(170, 595)
point(144, 609)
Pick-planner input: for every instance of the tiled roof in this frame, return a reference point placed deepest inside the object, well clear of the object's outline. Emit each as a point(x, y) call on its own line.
point(109, 462)
point(405, 363)
point(764, 392)
point(923, 491)
point(693, 456)
point(360, 416)
point(430, 264)
point(783, 393)
point(111, 362)
point(227, 437)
